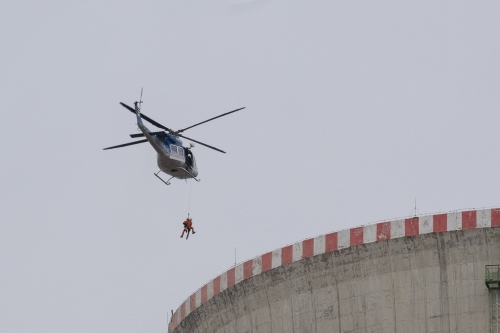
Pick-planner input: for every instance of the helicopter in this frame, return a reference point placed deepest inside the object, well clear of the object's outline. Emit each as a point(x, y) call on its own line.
point(173, 158)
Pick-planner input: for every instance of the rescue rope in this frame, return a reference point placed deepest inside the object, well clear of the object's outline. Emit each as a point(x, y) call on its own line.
point(189, 205)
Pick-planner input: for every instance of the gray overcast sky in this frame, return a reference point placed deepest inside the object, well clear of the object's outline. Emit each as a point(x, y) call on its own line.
point(354, 108)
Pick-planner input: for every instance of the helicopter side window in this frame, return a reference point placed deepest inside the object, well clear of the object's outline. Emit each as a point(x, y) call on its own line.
point(173, 149)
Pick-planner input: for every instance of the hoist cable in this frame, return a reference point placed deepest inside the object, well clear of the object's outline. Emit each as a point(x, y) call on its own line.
point(189, 205)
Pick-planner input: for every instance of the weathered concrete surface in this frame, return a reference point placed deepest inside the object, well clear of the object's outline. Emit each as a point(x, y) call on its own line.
point(426, 283)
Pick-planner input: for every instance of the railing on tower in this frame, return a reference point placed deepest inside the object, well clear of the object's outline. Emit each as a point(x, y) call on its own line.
point(492, 280)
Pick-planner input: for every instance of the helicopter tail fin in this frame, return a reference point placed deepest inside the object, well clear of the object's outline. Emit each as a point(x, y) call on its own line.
point(138, 111)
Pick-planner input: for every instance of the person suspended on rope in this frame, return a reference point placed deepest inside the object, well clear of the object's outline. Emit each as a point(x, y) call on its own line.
point(188, 226)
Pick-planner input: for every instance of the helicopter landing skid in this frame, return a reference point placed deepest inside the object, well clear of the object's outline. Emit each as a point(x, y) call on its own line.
point(189, 173)
point(166, 182)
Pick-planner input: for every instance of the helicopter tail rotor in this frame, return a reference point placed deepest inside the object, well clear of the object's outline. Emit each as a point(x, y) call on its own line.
point(140, 101)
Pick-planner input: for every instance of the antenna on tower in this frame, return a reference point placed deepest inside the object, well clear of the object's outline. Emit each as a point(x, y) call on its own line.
point(414, 212)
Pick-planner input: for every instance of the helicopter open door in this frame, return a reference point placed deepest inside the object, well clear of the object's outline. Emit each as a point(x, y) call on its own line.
point(190, 160)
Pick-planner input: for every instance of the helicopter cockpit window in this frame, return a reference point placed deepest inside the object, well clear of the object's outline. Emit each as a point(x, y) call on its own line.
point(181, 151)
point(173, 149)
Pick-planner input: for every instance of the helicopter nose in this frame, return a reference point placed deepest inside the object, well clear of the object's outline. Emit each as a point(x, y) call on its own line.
point(195, 172)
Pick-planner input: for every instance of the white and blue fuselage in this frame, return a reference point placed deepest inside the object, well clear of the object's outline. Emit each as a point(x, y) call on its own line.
point(173, 159)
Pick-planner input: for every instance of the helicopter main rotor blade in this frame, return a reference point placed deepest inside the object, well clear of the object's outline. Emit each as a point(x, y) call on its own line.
point(127, 144)
point(138, 135)
point(222, 115)
point(201, 143)
point(143, 116)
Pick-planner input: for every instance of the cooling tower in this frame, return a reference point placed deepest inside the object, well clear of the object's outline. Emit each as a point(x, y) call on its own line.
point(421, 274)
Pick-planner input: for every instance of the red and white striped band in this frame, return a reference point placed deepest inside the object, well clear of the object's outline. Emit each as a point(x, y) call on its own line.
point(376, 232)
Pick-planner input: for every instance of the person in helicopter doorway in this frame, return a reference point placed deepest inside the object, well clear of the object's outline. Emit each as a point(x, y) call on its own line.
point(188, 226)
point(189, 159)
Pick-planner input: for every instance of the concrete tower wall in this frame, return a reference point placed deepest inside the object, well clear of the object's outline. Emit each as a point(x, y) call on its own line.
point(424, 274)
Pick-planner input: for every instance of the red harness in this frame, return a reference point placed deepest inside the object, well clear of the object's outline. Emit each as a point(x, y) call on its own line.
point(187, 224)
